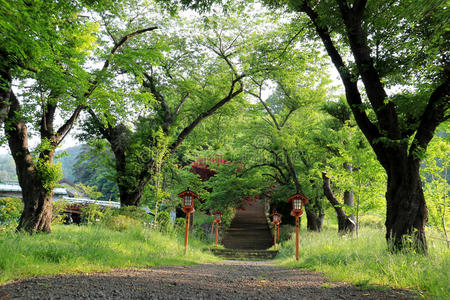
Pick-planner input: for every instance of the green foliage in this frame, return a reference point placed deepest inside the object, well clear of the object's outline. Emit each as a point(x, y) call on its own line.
point(180, 224)
point(134, 212)
point(92, 213)
point(365, 261)
point(49, 174)
point(92, 249)
point(120, 222)
point(10, 210)
point(90, 191)
point(58, 209)
point(436, 181)
point(163, 220)
point(94, 167)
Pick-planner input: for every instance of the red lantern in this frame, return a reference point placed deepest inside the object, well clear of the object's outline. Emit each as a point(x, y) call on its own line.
point(218, 216)
point(188, 207)
point(276, 220)
point(297, 211)
point(188, 200)
point(217, 220)
point(297, 204)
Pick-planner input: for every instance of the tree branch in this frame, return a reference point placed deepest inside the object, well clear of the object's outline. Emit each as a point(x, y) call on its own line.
point(187, 130)
point(151, 85)
point(385, 112)
point(64, 129)
point(434, 114)
point(351, 89)
point(177, 109)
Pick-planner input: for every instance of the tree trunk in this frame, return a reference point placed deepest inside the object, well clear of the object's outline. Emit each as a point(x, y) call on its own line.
point(129, 197)
point(314, 221)
point(5, 90)
point(38, 209)
point(345, 223)
point(37, 213)
point(406, 211)
point(349, 198)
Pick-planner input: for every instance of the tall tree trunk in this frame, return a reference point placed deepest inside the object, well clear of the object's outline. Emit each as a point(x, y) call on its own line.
point(5, 89)
point(349, 198)
point(406, 211)
point(345, 223)
point(38, 207)
point(37, 213)
point(314, 221)
point(131, 197)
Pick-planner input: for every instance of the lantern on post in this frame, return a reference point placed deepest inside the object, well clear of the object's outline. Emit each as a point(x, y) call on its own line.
point(297, 211)
point(217, 220)
point(188, 197)
point(276, 220)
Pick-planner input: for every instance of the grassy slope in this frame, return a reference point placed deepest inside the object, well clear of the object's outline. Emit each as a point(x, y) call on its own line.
point(72, 249)
point(366, 262)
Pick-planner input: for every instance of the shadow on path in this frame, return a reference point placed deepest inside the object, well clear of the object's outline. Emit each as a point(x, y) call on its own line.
point(228, 280)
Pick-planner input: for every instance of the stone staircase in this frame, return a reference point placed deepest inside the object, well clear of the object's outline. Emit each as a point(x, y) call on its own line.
point(248, 236)
point(244, 254)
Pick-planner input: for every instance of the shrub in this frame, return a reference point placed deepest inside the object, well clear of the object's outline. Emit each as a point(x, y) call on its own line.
point(58, 211)
point(120, 222)
point(10, 210)
point(163, 220)
point(92, 213)
point(133, 212)
point(371, 221)
point(180, 224)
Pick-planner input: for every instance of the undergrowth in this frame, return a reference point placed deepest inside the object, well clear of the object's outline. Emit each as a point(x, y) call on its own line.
point(81, 249)
point(366, 262)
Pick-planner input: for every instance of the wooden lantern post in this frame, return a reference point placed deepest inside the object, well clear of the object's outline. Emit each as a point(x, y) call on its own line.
point(276, 220)
point(188, 197)
point(297, 211)
point(217, 220)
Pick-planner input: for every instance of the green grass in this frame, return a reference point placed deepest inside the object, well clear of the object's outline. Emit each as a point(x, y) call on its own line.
point(81, 249)
point(365, 262)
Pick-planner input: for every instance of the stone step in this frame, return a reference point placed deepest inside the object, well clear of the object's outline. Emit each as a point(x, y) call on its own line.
point(249, 229)
point(240, 254)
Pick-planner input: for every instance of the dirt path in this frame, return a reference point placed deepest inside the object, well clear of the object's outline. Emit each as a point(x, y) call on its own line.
point(229, 280)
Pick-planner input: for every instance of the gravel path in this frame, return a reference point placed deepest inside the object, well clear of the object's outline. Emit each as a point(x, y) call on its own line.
point(228, 280)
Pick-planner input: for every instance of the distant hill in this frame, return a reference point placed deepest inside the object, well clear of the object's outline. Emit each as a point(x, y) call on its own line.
point(68, 160)
point(8, 168)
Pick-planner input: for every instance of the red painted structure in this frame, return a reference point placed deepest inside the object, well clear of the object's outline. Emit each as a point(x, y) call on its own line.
point(188, 197)
point(276, 220)
point(297, 211)
point(217, 220)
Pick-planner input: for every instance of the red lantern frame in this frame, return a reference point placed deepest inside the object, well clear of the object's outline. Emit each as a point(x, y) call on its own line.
point(217, 216)
point(297, 211)
point(276, 220)
point(188, 197)
point(217, 220)
point(297, 204)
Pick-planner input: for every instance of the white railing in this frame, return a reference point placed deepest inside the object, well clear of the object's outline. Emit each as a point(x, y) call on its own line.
point(90, 201)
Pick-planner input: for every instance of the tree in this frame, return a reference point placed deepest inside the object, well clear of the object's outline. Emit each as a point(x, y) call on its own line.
point(185, 85)
point(375, 33)
point(46, 47)
point(435, 175)
point(299, 85)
